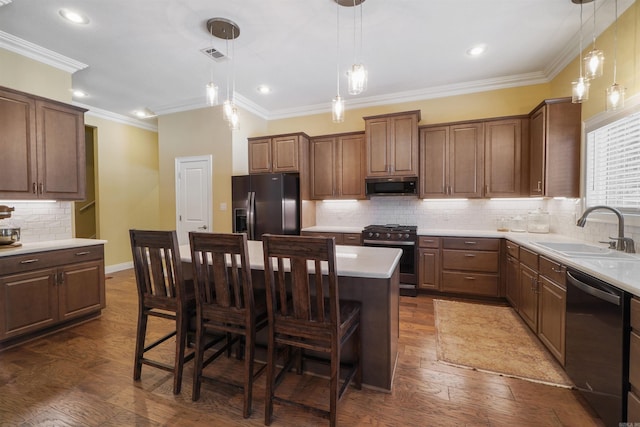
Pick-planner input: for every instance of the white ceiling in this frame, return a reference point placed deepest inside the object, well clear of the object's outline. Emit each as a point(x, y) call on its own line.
point(147, 53)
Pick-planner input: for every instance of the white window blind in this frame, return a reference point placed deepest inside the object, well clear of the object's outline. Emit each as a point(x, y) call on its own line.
point(613, 165)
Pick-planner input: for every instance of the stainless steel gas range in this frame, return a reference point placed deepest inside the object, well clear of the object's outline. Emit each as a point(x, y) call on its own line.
point(402, 237)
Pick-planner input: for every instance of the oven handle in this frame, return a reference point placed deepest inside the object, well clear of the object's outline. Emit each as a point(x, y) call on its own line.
point(387, 243)
point(598, 293)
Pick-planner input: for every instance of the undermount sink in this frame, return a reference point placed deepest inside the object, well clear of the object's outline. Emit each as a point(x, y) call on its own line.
point(583, 250)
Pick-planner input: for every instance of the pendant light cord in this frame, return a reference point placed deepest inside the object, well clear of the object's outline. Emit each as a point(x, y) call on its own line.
point(594, 25)
point(338, 47)
point(615, 45)
point(580, 53)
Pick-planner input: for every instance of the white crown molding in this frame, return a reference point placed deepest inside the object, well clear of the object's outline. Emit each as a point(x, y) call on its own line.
point(418, 95)
point(196, 103)
point(119, 118)
point(39, 53)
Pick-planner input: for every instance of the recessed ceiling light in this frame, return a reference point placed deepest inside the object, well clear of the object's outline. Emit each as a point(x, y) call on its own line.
point(73, 16)
point(79, 94)
point(264, 89)
point(477, 50)
point(144, 114)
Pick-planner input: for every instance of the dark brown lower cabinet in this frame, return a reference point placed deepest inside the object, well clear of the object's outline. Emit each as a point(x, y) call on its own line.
point(633, 407)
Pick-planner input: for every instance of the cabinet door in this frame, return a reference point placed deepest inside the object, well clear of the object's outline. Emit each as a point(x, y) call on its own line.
point(378, 156)
point(502, 167)
point(551, 317)
point(429, 273)
point(512, 291)
point(323, 168)
point(528, 307)
point(466, 160)
point(28, 302)
point(536, 155)
point(61, 152)
point(404, 145)
point(81, 289)
point(285, 154)
point(434, 167)
point(350, 167)
point(18, 169)
point(260, 155)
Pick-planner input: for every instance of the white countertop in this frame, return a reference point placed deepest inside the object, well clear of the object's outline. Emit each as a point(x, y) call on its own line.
point(49, 245)
point(624, 274)
point(353, 261)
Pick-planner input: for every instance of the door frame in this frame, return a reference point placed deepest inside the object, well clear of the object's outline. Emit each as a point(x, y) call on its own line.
point(178, 163)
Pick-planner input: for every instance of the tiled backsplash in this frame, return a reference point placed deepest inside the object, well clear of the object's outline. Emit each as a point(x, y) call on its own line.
point(481, 214)
point(40, 221)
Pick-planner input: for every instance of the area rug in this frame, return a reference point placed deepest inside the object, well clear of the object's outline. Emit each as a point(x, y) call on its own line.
point(493, 339)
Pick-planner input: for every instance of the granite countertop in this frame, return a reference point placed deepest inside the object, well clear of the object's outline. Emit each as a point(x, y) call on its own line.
point(353, 261)
point(622, 273)
point(49, 245)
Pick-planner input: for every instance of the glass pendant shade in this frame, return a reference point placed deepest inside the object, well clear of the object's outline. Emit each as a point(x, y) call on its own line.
point(593, 64)
point(357, 79)
point(579, 90)
point(337, 109)
point(234, 120)
point(615, 97)
point(227, 110)
point(212, 94)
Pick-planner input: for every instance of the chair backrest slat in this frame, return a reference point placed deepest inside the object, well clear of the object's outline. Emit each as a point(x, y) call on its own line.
point(296, 254)
point(217, 281)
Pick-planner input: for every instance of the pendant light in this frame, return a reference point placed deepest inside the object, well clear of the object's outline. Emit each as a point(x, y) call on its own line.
point(615, 92)
point(211, 89)
point(580, 88)
point(228, 30)
point(357, 75)
point(337, 105)
point(594, 60)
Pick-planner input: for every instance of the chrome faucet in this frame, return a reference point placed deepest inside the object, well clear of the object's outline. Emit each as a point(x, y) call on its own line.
point(621, 243)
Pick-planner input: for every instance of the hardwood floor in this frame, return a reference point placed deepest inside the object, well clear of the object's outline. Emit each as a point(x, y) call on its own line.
point(83, 377)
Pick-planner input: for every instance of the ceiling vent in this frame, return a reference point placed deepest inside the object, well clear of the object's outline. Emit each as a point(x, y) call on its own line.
point(212, 53)
point(3, 2)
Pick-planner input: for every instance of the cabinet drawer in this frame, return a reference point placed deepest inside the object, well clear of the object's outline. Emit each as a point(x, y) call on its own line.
point(471, 243)
point(634, 360)
point(633, 410)
point(513, 249)
point(553, 270)
point(529, 258)
point(635, 314)
point(337, 236)
point(353, 239)
point(38, 260)
point(470, 283)
point(428, 242)
point(470, 261)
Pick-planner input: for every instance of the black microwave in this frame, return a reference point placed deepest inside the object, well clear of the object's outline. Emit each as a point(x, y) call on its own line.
point(392, 186)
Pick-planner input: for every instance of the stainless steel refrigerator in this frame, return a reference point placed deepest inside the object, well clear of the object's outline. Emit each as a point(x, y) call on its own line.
point(266, 203)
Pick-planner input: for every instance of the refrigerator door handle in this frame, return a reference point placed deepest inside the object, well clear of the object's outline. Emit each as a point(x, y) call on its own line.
point(251, 215)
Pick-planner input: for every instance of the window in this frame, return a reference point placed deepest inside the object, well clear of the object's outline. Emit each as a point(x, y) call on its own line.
point(613, 164)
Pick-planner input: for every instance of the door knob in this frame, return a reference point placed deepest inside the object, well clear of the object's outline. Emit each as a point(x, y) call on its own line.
point(204, 227)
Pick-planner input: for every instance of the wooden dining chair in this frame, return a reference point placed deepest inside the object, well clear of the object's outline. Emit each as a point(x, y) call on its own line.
point(225, 303)
point(162, 292)
point(304, 314)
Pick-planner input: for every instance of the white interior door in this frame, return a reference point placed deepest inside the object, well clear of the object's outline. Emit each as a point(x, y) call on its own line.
point(194, 197)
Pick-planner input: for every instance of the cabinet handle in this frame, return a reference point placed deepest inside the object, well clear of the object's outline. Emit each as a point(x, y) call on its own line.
point(429, 241)
point(60, 279)
point(83, 253)
point(539, 187)
point(35, 188)
point(470, 242)
point(41, 188)
point(486, 189)
point(556, 271)
point(469, 278)
point(29, 261)
point(470, 255)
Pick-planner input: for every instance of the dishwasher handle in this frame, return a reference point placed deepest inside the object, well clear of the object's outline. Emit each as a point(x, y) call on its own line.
point(598, 293)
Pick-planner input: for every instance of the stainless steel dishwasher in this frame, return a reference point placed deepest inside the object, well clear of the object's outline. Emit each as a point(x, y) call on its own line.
point(597, 344)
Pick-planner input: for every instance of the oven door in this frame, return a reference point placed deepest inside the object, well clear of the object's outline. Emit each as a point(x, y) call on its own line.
point(408, 274)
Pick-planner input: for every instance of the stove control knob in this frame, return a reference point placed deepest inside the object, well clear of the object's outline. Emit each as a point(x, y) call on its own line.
point(388, 235)
point(406, 236)
point(377, 234)
point(370, 234)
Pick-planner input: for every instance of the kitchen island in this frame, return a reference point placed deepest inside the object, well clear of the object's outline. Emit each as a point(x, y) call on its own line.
point(365, 274)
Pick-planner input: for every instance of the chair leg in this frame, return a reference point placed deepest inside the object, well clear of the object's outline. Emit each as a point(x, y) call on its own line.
point(182, 319)
point(358, 355)
point(198, 361)
point(249, 352)
point(140, 338)
point(271, 368)
point(334, 384)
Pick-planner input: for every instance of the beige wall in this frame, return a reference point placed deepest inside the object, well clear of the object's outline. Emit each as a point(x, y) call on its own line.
point(127, 193)
point(196, 133)
point(21, 73)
